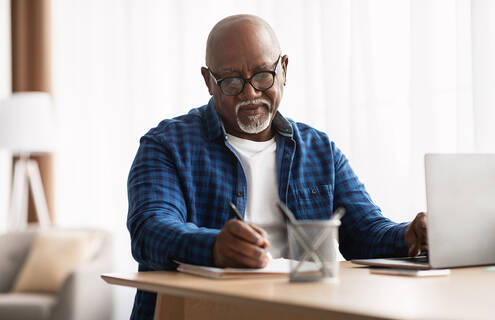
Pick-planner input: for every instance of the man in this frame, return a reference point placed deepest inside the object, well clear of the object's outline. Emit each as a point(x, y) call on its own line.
point(238, 148)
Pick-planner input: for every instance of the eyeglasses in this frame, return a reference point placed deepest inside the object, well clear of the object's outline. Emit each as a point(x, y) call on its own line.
point(261, 81)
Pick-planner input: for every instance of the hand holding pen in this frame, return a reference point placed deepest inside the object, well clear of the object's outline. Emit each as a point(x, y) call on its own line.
point(238, 215)
point(240, 244)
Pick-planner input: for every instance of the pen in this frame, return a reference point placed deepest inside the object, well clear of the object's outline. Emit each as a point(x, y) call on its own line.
point(238, 215)
point(233, 208)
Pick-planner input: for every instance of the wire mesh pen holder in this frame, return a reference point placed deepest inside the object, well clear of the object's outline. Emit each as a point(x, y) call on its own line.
point(313, 250)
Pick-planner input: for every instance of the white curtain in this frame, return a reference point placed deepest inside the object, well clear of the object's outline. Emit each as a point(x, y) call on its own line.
point(5, 89)
point(388, 80)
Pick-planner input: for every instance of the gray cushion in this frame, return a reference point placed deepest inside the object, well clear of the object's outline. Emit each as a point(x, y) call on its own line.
point(14, 248)
point(26, 306)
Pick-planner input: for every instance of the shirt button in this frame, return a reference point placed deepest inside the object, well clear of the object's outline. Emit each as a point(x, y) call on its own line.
point(240, 194)
point(313, 190)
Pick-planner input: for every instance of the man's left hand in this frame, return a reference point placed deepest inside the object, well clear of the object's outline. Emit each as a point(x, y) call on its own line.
point(416, 238)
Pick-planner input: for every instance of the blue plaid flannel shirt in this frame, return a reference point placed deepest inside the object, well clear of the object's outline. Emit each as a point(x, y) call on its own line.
point(185, 173)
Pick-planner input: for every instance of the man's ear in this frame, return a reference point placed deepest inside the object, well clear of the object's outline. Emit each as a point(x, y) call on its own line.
point(285, 63)
point(206, 77)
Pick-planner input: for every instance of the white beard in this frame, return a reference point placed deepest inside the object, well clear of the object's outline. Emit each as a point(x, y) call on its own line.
point(257, 123)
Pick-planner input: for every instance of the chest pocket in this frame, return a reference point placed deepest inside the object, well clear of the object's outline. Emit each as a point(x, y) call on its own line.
point(313, 202)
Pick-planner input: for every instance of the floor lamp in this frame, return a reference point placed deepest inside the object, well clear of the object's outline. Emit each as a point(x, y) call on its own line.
point(26, 128)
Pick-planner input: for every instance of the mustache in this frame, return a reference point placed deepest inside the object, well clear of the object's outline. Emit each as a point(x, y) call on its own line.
point(253, 102)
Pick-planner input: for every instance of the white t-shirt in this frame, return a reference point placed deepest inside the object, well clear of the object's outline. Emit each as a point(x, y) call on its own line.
point(259, 164)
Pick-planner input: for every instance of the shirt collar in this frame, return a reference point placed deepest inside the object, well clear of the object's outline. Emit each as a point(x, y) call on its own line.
point(215, 127)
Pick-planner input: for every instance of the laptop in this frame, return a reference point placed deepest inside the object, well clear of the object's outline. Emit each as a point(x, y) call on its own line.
point(460, 196)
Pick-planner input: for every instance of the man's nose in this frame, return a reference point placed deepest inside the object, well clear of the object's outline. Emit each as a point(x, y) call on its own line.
point(249, 91)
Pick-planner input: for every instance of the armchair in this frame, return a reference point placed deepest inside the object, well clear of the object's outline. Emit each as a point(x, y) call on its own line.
point(83, 295)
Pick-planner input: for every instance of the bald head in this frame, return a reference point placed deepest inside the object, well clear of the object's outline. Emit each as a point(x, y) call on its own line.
point(237, 35)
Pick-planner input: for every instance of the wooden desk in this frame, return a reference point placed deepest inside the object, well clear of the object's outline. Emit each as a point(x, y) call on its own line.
point(467, 293)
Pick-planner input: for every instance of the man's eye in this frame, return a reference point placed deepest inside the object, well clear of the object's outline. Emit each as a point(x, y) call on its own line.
point(232, 82)
point(263, 79)
point(263, 76)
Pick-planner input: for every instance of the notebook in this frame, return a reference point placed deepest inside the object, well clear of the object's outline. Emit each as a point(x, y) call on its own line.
point(275, 267)
point(411, 272)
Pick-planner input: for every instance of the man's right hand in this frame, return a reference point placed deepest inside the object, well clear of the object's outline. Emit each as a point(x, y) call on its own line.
point(240, 245)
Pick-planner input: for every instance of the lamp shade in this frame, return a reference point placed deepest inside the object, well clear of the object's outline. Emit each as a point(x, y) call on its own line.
point(27, 123)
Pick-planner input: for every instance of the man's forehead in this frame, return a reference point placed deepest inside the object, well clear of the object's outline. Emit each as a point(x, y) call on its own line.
point(234, 64)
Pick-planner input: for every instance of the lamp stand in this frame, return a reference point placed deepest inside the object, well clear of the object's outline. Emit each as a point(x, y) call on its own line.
point(27, 174)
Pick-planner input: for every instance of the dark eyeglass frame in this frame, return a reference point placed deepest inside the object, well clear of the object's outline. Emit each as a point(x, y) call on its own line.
point(244, 80)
